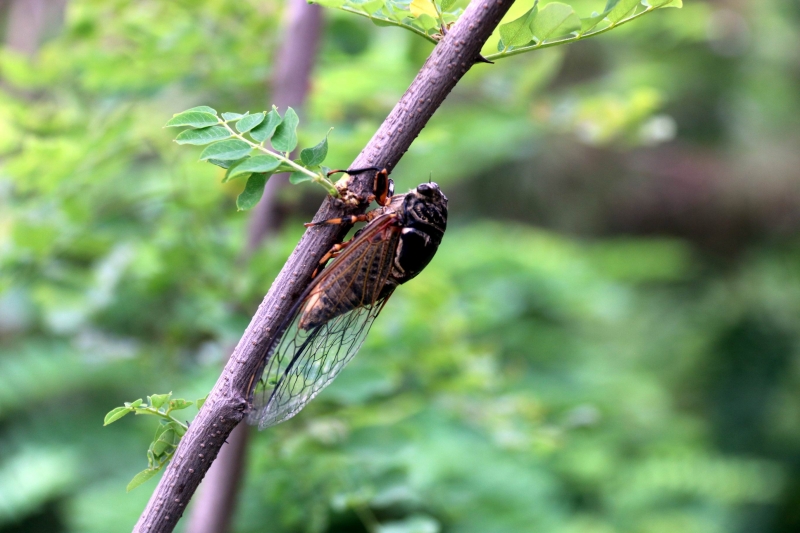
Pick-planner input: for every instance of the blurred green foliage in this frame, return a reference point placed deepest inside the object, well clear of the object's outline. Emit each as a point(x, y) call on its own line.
point(606, 342)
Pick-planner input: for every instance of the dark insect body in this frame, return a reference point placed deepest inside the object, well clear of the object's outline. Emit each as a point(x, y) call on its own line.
point(330, 322)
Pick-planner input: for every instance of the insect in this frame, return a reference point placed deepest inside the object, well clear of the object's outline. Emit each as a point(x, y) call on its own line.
point(328, 325)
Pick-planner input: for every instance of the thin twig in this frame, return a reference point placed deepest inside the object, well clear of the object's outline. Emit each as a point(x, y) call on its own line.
point(227, 401)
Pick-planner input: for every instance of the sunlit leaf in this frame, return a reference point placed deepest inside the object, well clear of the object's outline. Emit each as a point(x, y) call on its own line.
point(252, 192)
point(518, 31)
point(621, 9)
point(447, 4)
point(230, 117)
point(420, 7)
point(589, 23)
point(554, 20)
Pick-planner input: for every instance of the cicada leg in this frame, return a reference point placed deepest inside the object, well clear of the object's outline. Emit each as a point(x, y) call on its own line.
point(382, 186)
point(333, 252)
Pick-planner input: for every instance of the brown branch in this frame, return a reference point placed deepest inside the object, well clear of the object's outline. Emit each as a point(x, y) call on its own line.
point(215, 503)
point(227, 402)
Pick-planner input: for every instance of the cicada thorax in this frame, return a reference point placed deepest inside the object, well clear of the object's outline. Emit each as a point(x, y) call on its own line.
point(423, 224)
point(412, 226)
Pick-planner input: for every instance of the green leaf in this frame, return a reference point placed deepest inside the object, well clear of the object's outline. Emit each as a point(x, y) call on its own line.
point(226, 150)
point(249, 122)
point(663, 3)
point(201, 109)
point(285, 138)
point(140, 478)
point(157, 400)
point(222, 164)
point(427, 22)
point(252, 192)
point(165, 442)
point(422, 7)
point(177, 405)
point(371, 6)
point(134, 404)
point(336, 4)
point(230, 117)
point(589, 23)
point(299, 177)
point(195, 119)
point(266, 129)
point(202, 135)
point(115, 414)
point(621, 9)
point(317, 154)
point(554, 20)
point(200, 401)
point(518, 32)
point(447, 4)
point(257, 163)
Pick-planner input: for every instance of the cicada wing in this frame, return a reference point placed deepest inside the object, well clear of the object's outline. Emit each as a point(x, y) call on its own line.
point(306, 361)
point(328, 327)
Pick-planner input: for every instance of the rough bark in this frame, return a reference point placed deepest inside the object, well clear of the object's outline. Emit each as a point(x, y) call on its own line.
point(227, 402)
point(214, 505)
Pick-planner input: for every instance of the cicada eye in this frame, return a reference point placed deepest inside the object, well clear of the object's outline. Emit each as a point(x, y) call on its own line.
point(390, 192)
point(427, 189)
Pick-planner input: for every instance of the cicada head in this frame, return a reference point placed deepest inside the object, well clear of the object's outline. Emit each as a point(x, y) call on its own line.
point(425, 208)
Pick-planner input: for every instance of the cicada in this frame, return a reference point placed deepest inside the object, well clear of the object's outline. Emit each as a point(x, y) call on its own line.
point(329, 323)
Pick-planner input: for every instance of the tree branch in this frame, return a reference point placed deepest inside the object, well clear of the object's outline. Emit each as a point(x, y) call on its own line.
point(214, 504)
point(227, 402)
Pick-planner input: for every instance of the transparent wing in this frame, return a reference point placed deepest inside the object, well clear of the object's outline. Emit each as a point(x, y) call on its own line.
point(307, 359)
point(305, 362)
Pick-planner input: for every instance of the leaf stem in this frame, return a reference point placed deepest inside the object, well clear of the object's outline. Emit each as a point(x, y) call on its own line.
point(579, 37)
point(284, 158)
point(390, 21)
point(153, 411)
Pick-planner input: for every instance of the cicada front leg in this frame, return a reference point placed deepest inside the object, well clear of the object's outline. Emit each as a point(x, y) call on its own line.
point(382, 187)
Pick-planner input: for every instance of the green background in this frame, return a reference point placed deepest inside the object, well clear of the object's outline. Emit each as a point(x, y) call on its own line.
point(607, 340)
